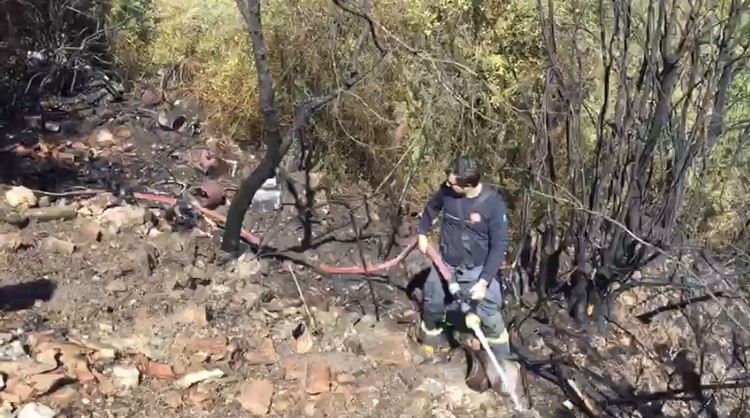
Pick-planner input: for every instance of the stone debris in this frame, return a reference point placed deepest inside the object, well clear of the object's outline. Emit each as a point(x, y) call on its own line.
point(264, 353)
point(152, 310)
point(103, 138)
point(20, 198)
point(91, 231)
point(126, 376)
point(10, 241)
point(59, 246)
point(256, 396)
point(318, 378)
point(384, 346)
point(120, 218)
point(192, 378)
point(194, 314)
point(36, 410)
point(52, 213)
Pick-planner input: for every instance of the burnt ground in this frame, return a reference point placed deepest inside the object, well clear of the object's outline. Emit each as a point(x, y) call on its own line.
point(108, 311)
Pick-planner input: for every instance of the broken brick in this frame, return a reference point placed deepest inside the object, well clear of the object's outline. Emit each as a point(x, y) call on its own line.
point(255, 396)
point(153, 369)
point(318, 378)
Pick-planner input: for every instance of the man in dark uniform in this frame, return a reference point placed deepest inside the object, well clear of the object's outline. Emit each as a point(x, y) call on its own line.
point(473, 241)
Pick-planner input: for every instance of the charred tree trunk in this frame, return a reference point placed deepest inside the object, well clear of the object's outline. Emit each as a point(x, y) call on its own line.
point(265, 170)
point(621, 207)
point(278, 145)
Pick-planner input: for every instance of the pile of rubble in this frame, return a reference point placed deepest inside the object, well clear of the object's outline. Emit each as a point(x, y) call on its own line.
point(190, 336)
point(345, 368)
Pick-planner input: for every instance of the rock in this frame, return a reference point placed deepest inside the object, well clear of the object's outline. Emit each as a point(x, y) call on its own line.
point(64, 396)
point(198, 395)
point(59, 246)
point(10, 241)
point(103, 138)
point(409, 378)
point(36, 410)
point(91, 231)
point(116, 286)
point(250, 295)
point(100, 202)
point(247, 266)
point(42, 383)
point(318, 378)
point(194, 377)
point(20, 197)
point(154, 369)
point(16, 350)
point(198, 274)
point(304, 342)
point(126, 376)
point(17, 391)
point(345, 378)
point(150, 97)
point(173, 399)
point(194, 314)
point(385, 346)
point(123, 132)
point(264, 353)
point(283, 402)
point(420, 403)
point(123, 217)
point(146, 258)
point(44, 202)
point(339, 362)
point(441, 413)
point(449, 383)
point(309, 409)
point(53, 213)
point(255, 396)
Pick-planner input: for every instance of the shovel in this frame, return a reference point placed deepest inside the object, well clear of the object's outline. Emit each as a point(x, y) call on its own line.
point(474, 323)
point(472, 320)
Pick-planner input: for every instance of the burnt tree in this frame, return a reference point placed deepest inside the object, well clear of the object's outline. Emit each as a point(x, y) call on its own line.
point(664, 79)
point(278, 144)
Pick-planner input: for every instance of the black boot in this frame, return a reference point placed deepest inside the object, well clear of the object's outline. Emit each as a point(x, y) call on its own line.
point(431, 338)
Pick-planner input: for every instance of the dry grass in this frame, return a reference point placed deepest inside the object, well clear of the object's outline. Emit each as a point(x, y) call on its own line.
point(401, 125)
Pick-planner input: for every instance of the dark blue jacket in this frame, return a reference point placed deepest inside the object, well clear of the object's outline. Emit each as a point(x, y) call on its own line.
point(484, 222)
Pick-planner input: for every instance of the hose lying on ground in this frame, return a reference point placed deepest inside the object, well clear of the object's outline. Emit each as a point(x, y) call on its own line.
point(255, 240)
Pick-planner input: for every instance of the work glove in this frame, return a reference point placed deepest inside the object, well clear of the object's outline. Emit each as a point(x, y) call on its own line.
point(422, 243)
point(454, 288)
point(472, 320)
point(479, 290)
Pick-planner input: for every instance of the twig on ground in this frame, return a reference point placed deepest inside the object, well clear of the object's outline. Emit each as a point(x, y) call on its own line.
point(302, 297)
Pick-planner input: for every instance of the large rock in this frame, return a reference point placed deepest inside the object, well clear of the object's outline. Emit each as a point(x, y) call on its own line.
point(20, 197)
point(385, 346)
point(123, 217)
point(255, 396)
point(448, 381)
point(36, 410)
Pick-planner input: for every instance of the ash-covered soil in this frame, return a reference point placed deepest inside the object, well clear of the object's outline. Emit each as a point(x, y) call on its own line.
point(112, 310)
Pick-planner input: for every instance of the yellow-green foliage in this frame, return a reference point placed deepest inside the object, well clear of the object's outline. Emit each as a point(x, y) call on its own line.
point(207, 42)
point(446, 90)
point(451, 86)
point(717, 199)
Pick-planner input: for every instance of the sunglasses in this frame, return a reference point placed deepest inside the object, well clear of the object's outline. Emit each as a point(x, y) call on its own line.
point(456, 184)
